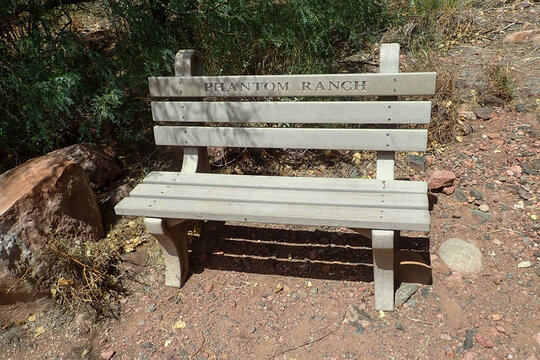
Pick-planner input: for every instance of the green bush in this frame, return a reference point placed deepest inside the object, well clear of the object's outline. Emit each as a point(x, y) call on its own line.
point(60, 85)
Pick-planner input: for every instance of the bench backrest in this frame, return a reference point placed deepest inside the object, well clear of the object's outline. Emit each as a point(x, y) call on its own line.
point(200, 99)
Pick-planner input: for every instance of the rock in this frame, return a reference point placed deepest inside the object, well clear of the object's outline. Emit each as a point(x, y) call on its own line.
point(524, 264)
point(521, 108)
point(497, 279)
point(356, 314)
point(460, 196)
point(469, 339)
point(529, 170)
point(152, 308)
point(467, 115)
point(477, 194)
point(484, 208)
point(536, 164)
point(399, 326)
point(524, 37)
point(482, 112)
point(457, 214)
point(47, 197)
point(480, 217)
point(493, 101)
point(440, 178)
point(484, 341)
point(118, 194)
point(404, 292)
point(449, 190)
point(99, 162)
point(138, 258)
point(516, 169)
point(359, 328)
point(417, 162)
point(460, 256)
point(524, 194)
point(147, 345)
point(107, 355)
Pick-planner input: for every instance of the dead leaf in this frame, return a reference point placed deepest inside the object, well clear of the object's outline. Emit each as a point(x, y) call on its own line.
point(31, 318)
point(39, 331)
point(179, 324)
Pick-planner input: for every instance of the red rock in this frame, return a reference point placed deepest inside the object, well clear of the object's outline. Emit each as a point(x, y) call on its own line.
point(516, 169)
point(449, 190)
point(440, 178)
point(45, 198)
point(107, 355)
point(523, 37)
point(99, 162)
point(500, 329)
point(484, 341)
point(494, 136)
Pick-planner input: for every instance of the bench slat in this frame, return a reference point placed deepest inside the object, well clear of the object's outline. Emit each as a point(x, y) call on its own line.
point(343, 112)
point(312, 85)
point(286, 182)
point(278, 138)
point(384, 219)
point(280, 196)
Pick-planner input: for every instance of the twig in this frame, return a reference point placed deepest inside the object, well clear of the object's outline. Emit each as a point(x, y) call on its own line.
point(424, 349)
point(18, 281)
point(494, 263)
point(200, 347)
point(276, 354)
point(367, 62)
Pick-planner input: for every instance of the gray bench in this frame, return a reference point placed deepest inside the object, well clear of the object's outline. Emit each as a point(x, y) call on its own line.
point(378, 207)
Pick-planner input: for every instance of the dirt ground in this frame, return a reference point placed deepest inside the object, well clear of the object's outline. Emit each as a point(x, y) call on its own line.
point(281, 292)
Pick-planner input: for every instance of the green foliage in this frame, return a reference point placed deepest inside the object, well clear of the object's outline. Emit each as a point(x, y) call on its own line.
point(61, 83)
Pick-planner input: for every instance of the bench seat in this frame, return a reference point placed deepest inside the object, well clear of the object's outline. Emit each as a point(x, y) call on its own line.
point(354, 203)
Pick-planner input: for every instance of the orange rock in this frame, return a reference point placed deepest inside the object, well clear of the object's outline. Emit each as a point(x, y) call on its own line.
point(522, 37)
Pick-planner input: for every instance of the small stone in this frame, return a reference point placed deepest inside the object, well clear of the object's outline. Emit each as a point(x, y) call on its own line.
point(314, 291)
point(496, 317)
point(481, 216)
point(477, 194)
point(482, 112)
point(497, 279)
point(528, 169)
point(440, 178)
point(524, 194)
point(457, 214)
point(469, 339)
point(523, 37)
point(494, 101)
point(152, 308)
point(460, 196)
point(107, 355)
point(484, 341)
point(521, 108)
point(137, 258)
point(484, 208)
point(417, 162)
point(524, 264)
point(404, 292)
point(461, 256)
point(449, 190)
point(147, 345)
point(399, 326)
point(516, 169)
point(359, 329)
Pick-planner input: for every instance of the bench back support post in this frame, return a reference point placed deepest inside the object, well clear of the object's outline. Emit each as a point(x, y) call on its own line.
point(383, 240)
point(189, 63)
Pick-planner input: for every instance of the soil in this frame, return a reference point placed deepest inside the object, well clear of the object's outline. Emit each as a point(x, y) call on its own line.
point(282, 292)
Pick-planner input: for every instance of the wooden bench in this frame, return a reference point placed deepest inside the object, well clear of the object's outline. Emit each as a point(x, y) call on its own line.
point(380, 207)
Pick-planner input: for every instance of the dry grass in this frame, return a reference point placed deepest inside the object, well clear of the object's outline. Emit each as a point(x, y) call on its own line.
point(500, 82)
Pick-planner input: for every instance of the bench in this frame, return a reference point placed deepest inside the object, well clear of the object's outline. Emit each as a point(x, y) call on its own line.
point(378, 207)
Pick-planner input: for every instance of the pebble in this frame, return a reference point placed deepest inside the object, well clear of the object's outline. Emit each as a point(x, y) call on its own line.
point(482, 112)
point(469, 339)
point(152, 308)
point(399, 326)
point(147, 345)
point(484, 208)
point(457, 214)
point(106, 355)
point(477, 194)
point(484, 341)
point(314, 291)
point(497, 279)
point(460, 196)
point(404, 292)
point(416, 162)
point(524, 264)
point(460, 256)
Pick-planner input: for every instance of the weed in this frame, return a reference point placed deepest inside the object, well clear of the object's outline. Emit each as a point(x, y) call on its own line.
point(500, 81)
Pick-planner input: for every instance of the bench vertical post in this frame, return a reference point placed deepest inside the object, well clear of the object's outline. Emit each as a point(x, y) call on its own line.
point(383, 240)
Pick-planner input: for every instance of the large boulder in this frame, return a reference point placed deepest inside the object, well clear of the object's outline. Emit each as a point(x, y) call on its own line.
point(98, 161)
point(45, 198)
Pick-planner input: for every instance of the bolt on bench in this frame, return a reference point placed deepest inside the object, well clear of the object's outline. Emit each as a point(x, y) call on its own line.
point(378, 207)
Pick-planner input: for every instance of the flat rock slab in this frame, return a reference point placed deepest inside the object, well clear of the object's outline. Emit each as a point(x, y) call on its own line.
point(461, 256)
point(404, 292)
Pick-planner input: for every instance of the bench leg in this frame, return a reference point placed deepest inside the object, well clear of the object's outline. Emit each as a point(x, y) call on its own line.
point(173, 241)
point(383, 269)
